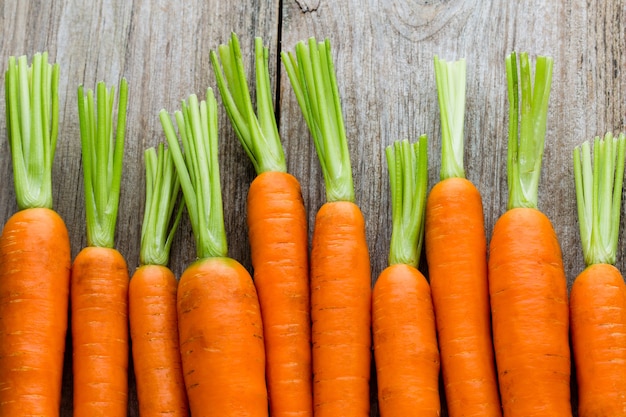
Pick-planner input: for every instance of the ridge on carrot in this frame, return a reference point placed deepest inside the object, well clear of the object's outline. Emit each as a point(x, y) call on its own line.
point(598, 294)
point(456, 251)
point(527, 285)
point(277, 228)
point(35, 253)
point(340, 267)
point(152, 295)
point(99, 281)
point(219, 319)
point(403, 319)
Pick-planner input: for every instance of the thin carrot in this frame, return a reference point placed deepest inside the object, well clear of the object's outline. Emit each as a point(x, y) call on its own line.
point(598, 295)
point(527, 283)
point(152, 296)
point(277, 227)
point(99, 282)
point(34, 248)
point(219, 319)
point(340, 266)
point(456, 250)
point(403, 319)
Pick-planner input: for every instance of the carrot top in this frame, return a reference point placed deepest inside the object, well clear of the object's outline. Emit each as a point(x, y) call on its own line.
point(599, 196)
point(312, 76)
point(198, 171)
point(258, 134)
point(103, 154)
point(162, 190)
point(527, 127)
point(450, 77)
point(32, 115)
point(408, 178)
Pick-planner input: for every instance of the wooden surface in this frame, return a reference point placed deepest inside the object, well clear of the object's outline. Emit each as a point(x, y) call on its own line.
point(383, 53)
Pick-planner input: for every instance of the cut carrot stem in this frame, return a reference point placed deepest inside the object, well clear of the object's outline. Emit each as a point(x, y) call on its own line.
point(34, 248)
point(219, 318)
point(598, 295)
point(277, 227)
point(456, 250)
point(99, 282)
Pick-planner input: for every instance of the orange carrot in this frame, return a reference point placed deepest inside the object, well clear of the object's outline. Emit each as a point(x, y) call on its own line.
point(99, 282)
point(219, 319)
point(598, 295)
point(456, 250)
point(403, 319)
point(340, 266)
point(152, 296)
point(527, 283)
point(277, 227)
point(34, 249)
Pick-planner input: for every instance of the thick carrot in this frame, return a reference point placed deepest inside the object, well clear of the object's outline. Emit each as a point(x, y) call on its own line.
point(152, 296)
point(403, 319)
point(340, 266)
point(277, 227)
point(99, 282)
point(598, 295)
point(219, 319)
point(527, 285)
point(34, 249)
point(456, 250)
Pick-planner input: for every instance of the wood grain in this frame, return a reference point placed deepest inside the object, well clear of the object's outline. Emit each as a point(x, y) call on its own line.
point(383, 54)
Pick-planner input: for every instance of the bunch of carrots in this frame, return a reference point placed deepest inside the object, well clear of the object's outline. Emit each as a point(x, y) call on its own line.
point(296, 337)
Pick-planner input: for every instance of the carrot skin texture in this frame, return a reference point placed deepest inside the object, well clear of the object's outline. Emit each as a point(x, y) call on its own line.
point(99, 307)
point(278, 235)
point(405, 344)
point(456, 250)
point(154, 334)
point(598, 327)
point(340, 312)
point(221, 340)
point(35, 264)
point(530, 315)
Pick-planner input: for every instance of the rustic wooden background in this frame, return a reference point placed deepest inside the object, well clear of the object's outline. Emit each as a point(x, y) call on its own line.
point(383, 51)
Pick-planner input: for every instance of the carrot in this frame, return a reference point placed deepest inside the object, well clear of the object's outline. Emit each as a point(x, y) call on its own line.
point(219, 319)
point(99, 281)
point(152, 296)
point(277, 227)
point(340, 266)
point(527, 285)
point(403, 319)
point(34, 248)
point(456, 251)
point(598, 295)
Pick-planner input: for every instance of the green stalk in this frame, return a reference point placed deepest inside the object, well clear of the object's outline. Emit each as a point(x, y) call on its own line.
point(198, 171)
point(450, 77)
point(258, 134)
point(312, 75)
point(599, 196)
point(32, 114)
point(103, 154)
point(408, 177)
point(527, 127)
point(159, 221)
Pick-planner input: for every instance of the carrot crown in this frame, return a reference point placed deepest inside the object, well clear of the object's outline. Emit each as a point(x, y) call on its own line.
point(103, 153)
point(258, 134)
point(527, 126)
point(450, 77)
point(198, 171)
point(32, 110)
point(159, 221)
point(312, 76)
point(599, 196)
point(408, 178)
